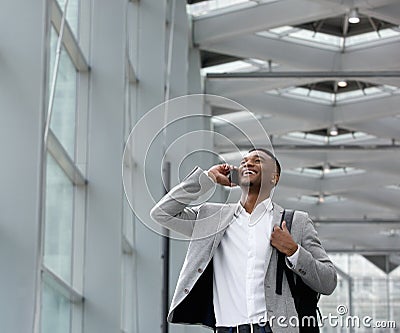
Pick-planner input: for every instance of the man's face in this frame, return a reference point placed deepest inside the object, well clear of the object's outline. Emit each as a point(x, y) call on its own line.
point(257, 168)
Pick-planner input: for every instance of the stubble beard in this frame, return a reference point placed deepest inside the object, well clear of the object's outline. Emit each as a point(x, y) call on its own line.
point(247, 184)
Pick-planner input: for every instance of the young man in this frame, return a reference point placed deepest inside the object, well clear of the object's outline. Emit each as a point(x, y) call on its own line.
point(227, 281)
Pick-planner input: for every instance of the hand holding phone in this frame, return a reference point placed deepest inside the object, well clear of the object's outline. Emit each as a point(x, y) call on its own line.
point(234, 176)
point(224, 174)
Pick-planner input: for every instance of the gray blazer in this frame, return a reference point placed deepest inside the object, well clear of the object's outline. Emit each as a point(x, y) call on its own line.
point(192, 302)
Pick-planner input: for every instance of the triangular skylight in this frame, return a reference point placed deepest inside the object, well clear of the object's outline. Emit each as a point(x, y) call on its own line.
point(354, 91)
point(318, 198)
point(323, 136)
point(335, 34)
point(325, 171)
point(244, 65)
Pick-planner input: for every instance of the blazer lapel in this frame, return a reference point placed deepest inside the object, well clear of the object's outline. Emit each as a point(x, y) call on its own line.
point(277, 214)
point(226, 216)
point(276, 219)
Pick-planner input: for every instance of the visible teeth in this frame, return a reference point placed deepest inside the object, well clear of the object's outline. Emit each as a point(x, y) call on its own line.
point(248, 172)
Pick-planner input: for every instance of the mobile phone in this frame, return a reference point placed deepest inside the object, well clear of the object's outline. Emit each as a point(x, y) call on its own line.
point(234, 176)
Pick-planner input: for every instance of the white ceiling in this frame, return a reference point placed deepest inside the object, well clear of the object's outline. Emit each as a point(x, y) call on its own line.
point(361, 211)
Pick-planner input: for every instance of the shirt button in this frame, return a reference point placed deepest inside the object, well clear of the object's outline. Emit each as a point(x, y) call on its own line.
point(200, 270)
point(186, 290)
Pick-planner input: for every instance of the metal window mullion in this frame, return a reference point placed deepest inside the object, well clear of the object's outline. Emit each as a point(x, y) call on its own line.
point(68, 39)
point(55, 74)
point(62, 158)
point(132, 78)
point(127, 247)
point(61, 286)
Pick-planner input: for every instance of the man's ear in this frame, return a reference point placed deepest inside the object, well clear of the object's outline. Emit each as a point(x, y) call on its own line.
point(276, 178)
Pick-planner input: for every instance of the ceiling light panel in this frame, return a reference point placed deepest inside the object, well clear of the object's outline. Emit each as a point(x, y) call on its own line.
point(353, 16)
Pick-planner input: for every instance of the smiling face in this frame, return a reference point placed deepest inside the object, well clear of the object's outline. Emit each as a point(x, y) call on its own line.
point(258, 169)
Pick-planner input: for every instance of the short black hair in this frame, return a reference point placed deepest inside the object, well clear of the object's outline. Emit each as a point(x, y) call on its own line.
point(270, 154)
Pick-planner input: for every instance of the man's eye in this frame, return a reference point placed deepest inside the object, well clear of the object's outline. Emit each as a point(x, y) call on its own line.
point(242, 162)
point(257, 160)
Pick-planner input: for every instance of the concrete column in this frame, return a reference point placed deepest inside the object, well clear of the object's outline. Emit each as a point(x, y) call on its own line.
point(102, 286)
point(149, 93)
point(23, 73)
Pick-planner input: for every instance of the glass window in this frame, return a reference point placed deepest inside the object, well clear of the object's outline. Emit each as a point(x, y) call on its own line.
point(328, 305)
point(58, 221)
point(64, 107)
point(55, 311)
point(62, 206)
point(394, 293)
point(128, 293)
point(72, 14)
point(373, 292)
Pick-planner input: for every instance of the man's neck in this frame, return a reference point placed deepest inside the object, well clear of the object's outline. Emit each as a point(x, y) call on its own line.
point(250, 200)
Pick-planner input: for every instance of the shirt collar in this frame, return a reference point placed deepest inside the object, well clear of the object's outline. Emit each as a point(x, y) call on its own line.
point(267, 203)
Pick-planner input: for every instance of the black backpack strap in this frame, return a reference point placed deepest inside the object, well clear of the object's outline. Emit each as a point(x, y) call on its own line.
point(288, 217)
point(292, 286)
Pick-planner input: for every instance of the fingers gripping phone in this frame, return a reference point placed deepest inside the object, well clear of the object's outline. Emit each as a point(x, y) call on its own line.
point(234, 176)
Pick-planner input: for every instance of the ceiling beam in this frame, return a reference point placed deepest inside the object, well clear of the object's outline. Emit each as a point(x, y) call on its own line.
point(275, 105)
point(380, 197)
point(358, 159)
point(245, 134)
point(260, 17)
point(380, 128)
point(380, 57)
point(238, 87)
point(361, 3)
point(366, 110)
point(287, 160)
point(349, 208)
point(396, 222)
point(280, 51)
point(356, 116)
point(343, 185)
point(362, 251)
point(347, 184)
point(234, 87)
point(312, 147)
point(291, 159)
point(389, 13)
point(309, 74)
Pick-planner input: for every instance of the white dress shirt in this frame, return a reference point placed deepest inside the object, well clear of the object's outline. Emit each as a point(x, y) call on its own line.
point(240, 263)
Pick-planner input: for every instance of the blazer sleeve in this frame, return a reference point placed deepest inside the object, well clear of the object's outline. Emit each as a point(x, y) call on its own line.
point(313, 264)
point(172, 211)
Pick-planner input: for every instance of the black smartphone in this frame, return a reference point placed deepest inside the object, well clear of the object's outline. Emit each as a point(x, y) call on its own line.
point(234, 176)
